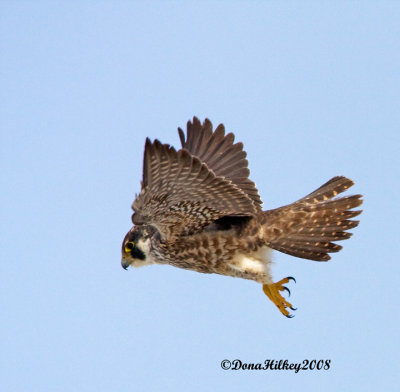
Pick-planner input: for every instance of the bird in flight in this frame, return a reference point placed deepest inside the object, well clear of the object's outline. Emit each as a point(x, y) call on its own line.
point(198, 210)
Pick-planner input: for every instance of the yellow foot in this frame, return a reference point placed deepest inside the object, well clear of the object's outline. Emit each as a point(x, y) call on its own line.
point(272, 291)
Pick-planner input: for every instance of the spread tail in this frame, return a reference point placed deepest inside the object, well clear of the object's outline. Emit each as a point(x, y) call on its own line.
point(308, 227)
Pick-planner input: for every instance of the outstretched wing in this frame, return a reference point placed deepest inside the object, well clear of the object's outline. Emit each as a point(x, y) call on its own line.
point(180, 195)
point(220, 154)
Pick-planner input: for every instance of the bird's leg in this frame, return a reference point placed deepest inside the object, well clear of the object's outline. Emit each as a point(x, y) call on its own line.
point(272, 291)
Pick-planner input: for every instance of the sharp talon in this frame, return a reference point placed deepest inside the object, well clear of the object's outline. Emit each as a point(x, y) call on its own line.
point(286, 289)
point(291, 278)
point(274, 292)
point(290, 316)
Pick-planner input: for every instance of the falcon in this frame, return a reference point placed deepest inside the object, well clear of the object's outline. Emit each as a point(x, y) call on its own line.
point(198, 210)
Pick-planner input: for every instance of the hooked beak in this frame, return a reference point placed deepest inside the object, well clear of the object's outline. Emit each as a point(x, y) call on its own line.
point(125, 263)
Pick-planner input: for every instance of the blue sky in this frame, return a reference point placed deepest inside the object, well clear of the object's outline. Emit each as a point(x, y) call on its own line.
point(311, 88)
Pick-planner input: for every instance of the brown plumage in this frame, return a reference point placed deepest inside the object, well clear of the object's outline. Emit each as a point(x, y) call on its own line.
point(198, 210)
point(307, 227)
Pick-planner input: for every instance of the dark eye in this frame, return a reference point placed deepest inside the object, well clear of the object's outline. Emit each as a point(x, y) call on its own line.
point(129, 246)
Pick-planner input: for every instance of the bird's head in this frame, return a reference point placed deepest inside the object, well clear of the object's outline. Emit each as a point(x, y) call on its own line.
point(136, 247)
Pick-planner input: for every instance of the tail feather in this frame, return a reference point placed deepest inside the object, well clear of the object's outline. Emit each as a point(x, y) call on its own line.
point(330, 189)
point(333, 236)
point(308, 227)
point(324, 226)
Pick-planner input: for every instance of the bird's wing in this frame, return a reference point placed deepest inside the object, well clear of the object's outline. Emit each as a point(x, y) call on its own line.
point(220, 154)
point(180, 195)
